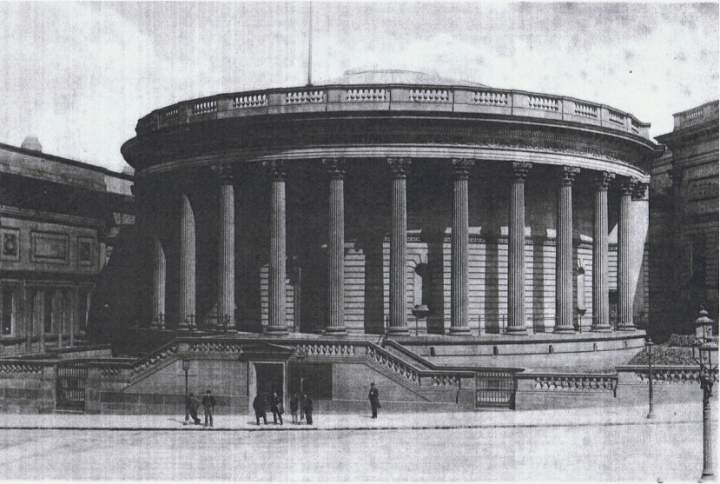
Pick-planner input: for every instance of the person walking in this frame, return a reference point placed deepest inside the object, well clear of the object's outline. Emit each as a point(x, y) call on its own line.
point(191, 407)
point(307, 406)
point(294, 403)
point(374, 397)
point(259, 407)
point(208, 403)
point(276, 406)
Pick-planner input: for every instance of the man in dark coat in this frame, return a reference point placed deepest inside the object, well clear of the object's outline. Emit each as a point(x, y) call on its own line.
point(374, 397)
point(259, 406)
point(208, 402)
point(307, 406)
point(294, 403)
point(276, 406)
point(191, 408)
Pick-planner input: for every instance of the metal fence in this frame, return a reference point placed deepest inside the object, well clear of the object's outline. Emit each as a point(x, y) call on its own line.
point(71, 379)
point(495, 389)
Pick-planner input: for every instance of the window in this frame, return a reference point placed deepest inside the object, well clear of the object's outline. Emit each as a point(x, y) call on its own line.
point(7, 312)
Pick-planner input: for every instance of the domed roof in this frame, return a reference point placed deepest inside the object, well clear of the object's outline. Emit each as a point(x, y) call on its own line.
point(32, 143)
point(396, 76)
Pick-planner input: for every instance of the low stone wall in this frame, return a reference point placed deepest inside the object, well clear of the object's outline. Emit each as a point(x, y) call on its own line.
point(27, 386)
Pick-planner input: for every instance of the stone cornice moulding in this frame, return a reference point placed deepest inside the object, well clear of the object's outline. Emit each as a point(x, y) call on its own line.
point(382, 152)
point(42, 216)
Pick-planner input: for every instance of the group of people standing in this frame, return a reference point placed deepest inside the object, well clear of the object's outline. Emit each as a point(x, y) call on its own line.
point(192, 404)
point(275, 402)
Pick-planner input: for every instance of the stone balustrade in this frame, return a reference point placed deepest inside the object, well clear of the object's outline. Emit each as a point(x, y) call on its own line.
point(665, 374)
point(460, 99)
point(576, 382)
point(696, 115)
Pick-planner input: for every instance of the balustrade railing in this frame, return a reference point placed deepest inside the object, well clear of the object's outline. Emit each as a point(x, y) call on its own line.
point(459, 99)
point(366, 95)
point(490, 98)
point(543, 103)
point(573, 382)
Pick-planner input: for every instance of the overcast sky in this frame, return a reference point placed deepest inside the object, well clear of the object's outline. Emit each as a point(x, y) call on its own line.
point(80, 75)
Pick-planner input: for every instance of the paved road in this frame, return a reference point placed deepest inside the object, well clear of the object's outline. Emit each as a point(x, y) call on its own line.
point(669, 451)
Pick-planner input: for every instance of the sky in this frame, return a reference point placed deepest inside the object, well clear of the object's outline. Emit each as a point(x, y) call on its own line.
point(79, 75)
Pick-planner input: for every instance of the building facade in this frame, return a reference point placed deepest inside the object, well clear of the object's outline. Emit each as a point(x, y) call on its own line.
point(684, 231)
point(59, 219)
point(410, 205)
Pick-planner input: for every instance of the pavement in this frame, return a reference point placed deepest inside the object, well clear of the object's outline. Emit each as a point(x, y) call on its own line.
point(606, 416)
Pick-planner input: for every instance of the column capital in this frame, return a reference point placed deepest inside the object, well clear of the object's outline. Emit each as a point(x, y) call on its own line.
point(461, 167)
point(602, 180)
point(224, 172)
point(568, 174)
point(276, 168)
point(399, 166)
point(626, 185)
point(336, 167)
point(639, 191)
point(520, 170)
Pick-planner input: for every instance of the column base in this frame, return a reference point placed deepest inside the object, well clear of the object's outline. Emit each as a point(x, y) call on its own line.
point(461, 331)
point(516, 331)
point(335, 331)
point(606, 328)
point(275, 331)
point(570, 330)
point(398, 331)
point(626, 327)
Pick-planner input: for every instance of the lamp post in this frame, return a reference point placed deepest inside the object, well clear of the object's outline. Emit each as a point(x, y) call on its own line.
point(186, 367)
point(706, 344)
point(649, 351)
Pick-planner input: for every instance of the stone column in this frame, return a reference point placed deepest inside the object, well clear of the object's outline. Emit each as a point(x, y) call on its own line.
point(158, 320)
point(516, 250)
point(336, 247)
point(276, 323)
point(72, 313)
point(187, 265)
point(601, 302)
point(459, 289)
point(564, 256)
point(40, 312)
point(226, 248)
point(27, 306)
point(398, 246)
point(625, 309)
point(59, 313)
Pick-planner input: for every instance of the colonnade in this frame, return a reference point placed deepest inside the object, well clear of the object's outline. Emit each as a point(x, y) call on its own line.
point(399, 169)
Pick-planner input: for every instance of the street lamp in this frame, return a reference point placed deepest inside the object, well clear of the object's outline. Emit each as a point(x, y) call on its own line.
point(186, 367)
point(705, 345)
point(649, 351)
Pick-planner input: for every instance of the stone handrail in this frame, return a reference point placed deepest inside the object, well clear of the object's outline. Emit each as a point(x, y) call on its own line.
point(696, 115)
point(392, 97)
point(666, 373)
point(571, 382)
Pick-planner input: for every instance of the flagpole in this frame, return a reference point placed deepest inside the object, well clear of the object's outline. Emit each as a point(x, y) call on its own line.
point(309, 62)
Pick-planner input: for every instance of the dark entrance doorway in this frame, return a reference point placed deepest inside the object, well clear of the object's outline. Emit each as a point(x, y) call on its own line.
point(269, 379)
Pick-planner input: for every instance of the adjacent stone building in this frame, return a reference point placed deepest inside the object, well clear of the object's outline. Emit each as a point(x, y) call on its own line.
point(59, 221)
point(684, 219)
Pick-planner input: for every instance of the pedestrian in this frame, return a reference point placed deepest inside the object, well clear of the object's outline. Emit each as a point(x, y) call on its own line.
point(276, 405)
point(374, 397)
point(307, 406)
point(208, 403)
point(294, 401)
point(193, 403)
point(259, 406)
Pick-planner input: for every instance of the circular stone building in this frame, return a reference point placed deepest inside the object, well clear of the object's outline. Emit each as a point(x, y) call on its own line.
point(398, 202)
